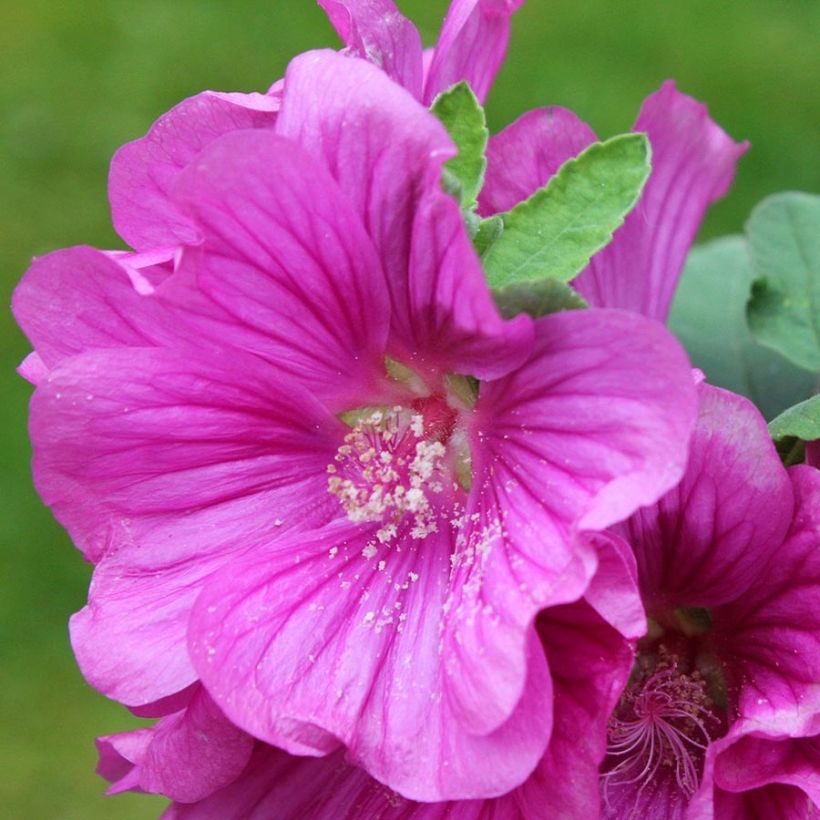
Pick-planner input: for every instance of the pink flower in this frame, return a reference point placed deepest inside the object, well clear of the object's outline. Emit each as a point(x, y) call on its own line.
point(721, 715)
point(589, 647)
point(693, 163)
point(318, 471)
point(722, 712)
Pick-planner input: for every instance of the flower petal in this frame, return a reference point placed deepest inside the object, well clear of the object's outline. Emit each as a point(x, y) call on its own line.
point(310, 643)
point(375, 30)
point(593, 426)
point(693, 162)
point(772, 631)
point(144, 171)
point(79, 299)
point(382, 146)
point(158, 438)
point(703, 543)
point(471, 46)
point(590, 661)
point(169, 463)
point(527, 153)
point(450, 323)
point(186, 756)
point(754, 760)
point(277, 784)
point(284, 253)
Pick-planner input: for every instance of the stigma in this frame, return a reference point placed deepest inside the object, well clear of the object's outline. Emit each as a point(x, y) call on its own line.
point(660, 730)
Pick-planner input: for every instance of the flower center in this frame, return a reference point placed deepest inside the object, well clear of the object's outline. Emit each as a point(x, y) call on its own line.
point(660, 728)
point(401, 466)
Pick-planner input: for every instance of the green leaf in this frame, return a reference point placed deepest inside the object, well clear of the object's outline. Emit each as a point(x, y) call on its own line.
point(708, 316)
point(784, 312)
point(554, 233)
point(536, 298)
point(463, 117)
point(800, 421)
point(488, 231)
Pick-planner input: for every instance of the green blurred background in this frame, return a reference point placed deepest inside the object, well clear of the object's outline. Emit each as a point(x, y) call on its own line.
point(80, 77)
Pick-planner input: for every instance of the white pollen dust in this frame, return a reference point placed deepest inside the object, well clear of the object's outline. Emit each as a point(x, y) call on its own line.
point(386, 470)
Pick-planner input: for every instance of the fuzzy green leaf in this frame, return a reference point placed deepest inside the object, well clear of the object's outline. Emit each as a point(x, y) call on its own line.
point(463, 117)
point(708, 316)
point(537, 298)
point(553, 234)
point(800, 421)
point(784, 311)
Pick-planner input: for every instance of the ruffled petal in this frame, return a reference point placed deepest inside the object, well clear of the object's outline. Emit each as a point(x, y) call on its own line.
point(375, 30)
point(527, 153)
point(450, 323)
point(284, 254)
point(593, 426)
point(755, 760)
point(703, 543)
point(151, 439)
point(144, 171)
point(382, 146)
point(471, 46)
point(693, 163)
point(589, 646)
point(80, 299)
point(312, 643)
point(186, 756)
point(772, 631)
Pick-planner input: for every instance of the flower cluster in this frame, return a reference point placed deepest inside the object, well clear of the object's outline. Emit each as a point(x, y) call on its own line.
point(366, 547)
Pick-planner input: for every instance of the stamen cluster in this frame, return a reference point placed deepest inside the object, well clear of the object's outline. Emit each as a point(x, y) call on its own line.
point(387, 468)
point(663, 723)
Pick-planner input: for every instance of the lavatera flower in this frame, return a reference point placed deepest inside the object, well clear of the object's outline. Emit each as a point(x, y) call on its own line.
point(317, 470)
point(719, 719)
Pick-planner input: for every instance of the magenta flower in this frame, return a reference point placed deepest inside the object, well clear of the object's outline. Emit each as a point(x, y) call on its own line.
point(589, 647)
point(693, 162)
point(722, 712)
point(721, 715)
point(319, 473)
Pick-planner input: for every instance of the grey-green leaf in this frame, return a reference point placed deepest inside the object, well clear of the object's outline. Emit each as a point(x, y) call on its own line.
point(488, 231)
point(800, 421)
point(463, 117)
point(784, 312)
point(537, 298)
point(708, 316)
point(553, 234)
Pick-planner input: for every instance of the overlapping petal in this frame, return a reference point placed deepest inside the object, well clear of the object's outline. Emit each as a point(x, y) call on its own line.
point(705, 541)
point(693, 163)
point(144, 171)
point(527, 153)
point(186, 756)
point(284, 254)
point(471, 46)
point(772, 631)
point(377, 31)
point(577, 438)
point(319, 641)
point(386, 150)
